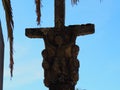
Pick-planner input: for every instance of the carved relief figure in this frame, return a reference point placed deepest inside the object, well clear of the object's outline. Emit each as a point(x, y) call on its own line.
point(60, 58)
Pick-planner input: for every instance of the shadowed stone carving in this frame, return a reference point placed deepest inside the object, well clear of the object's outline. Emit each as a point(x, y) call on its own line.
point(60, 62)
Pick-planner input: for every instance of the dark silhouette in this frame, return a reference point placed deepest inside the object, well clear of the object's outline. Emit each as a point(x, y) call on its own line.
point(60, 61)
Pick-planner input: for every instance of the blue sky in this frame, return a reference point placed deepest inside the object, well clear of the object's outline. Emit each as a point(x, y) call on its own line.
point(99, 53)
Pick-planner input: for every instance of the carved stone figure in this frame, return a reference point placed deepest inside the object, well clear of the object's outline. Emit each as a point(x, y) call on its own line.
point(60, 62)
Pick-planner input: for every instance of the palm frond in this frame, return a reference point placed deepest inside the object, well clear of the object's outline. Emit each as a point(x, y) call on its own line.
point(38, 10)
point(10, 26)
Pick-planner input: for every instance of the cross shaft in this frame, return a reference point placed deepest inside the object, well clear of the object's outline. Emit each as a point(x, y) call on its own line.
point(59, 13)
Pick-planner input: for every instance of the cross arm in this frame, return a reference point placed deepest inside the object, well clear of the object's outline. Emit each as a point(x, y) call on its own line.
point(36, 32)
point(78, 30)
point(83, 29)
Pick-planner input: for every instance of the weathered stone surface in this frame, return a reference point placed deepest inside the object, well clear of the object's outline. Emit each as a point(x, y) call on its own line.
point(60, 62)
point(78, 30)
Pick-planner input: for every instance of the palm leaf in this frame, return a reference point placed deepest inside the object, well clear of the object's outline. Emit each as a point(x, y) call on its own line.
point(10, 26)
point(38, 10)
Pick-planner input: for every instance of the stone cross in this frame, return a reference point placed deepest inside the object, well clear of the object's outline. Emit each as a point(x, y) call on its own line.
point(60, 61)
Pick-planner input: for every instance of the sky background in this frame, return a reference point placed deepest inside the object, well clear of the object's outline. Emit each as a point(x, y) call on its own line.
point(99, 54)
